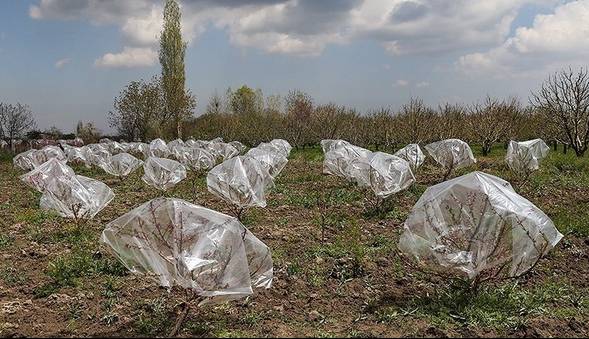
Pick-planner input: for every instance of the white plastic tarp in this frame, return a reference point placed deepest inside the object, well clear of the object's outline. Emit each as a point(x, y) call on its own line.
point(241, 180)
point(451, 153)
point(182, 244)
point(477, 224)
point(163, 174)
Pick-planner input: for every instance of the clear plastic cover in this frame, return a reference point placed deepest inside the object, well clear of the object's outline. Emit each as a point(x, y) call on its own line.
point(524, 157)
point(222, 151)
point(389, 174)
point(451, 153)
point(96, 154)
point(238, 146)
point(273, 160)
point(475, 225)
point(198, 159)
point(70, 195)
point(345, 160)
point(283, 146)
point(163, 174)
point(182, 244)
point(241, 180)
point(159, 149)
point(74, 154)
point(121, 165)
point(413, 154)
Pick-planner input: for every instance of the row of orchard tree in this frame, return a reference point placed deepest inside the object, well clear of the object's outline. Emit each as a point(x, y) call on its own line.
point(557, 112)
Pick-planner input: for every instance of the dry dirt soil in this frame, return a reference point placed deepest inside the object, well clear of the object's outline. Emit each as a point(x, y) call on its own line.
point(336, 264)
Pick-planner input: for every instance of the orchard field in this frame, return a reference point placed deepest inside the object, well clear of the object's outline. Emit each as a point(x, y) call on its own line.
point(337, 270)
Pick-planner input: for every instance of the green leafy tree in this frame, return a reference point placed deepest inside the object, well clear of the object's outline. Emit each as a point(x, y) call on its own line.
point(136, 114)
point(179, 103)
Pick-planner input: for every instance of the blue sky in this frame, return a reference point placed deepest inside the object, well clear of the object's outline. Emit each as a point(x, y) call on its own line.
point(53, 53)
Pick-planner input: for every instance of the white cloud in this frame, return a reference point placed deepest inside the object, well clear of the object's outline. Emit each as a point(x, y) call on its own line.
point(307, 27)
point(422, 84)
point(401, 83)
point(553, 40)
point(62, 62)
point(129, 57)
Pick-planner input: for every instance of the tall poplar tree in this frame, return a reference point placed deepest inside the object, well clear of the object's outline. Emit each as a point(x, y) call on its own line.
point(178, 102)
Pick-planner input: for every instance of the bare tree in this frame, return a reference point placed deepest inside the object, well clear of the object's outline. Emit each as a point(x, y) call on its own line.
point(415, 119)
point(299, 109)
point(15, 121)
point(564, 99)
point(492, 120)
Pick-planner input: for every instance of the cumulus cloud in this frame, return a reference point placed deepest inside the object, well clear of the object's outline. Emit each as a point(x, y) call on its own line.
point(62, 62)
point(129, 57)
point(307, 27)
point(553, 40)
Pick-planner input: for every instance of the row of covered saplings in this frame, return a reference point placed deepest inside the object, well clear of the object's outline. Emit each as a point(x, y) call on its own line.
point(474, 225)
point(210, 255)
point(466, 226)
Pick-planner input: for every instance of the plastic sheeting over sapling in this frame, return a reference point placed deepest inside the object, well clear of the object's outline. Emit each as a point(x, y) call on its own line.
point(477, 226)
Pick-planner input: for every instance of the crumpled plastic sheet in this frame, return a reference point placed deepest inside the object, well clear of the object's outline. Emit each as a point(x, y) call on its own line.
point(221, 150)
point(115, 147)
point(523, 157)
point(50, 152)
point(74, 154)
point(283, 146)
point(182, 244)
point(139, 148)
point(104, 141)
point(198, 159)
point(345, 160)
point(475, 225)
point(389, 174)
point(163, 174)
point(272, 159)
point(33, 158)
point(121, 165)
point(238, 146)
point(96, 154)
point(413, 154)
point(70, 195)
point(3, 144)
point(241, 180)
point(158, 148)
point(25, 160)
point(451, 153)
point(176, 144)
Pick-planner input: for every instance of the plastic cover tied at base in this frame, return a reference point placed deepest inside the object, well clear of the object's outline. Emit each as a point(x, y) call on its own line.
point(389, 174)
point(121, 165)
point(182, 244)
point(345, 160)
point(70, 195)
point(33, 158)
point(475, 225)
point(238, 146)
point(413, 154)
point(158, 148)
point(524, 157)
point(451, 153)
point(163, 174)
point(222, 151)
point(198, 159)
point(283, 146)
point(241, 180)
point(272, 159)
point(75, 154)
point(96, 154)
